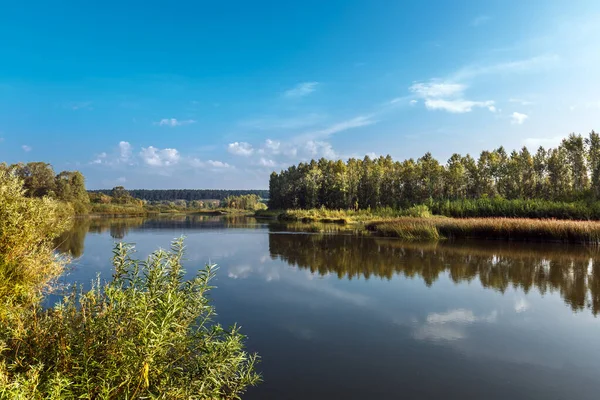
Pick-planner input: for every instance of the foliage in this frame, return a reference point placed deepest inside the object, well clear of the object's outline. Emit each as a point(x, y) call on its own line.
point(148, 333)
point(27, 227)
point(39, 180)
point(188, 195)
point(561, 175)
point(250, 202)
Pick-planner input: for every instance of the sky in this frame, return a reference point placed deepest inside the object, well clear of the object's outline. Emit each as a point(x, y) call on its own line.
point(218, 94)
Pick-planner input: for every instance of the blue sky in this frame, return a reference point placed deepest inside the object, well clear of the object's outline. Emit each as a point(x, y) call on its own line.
point(206, 94)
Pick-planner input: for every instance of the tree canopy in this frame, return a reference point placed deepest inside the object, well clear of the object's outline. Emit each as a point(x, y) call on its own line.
point(569, 172)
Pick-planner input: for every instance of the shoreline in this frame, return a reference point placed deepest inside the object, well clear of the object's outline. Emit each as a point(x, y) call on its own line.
point(435, 228)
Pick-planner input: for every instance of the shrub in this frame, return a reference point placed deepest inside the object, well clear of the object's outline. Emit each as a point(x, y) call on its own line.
point(27, 227)
point(147, 333)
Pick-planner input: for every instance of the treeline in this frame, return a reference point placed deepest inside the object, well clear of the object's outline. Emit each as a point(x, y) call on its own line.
point(40, 180)
point(250, 202)
point(567, 173)
point(186, 194)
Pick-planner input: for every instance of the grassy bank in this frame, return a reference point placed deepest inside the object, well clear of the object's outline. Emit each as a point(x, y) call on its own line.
point(489, 228)
point(349, 216)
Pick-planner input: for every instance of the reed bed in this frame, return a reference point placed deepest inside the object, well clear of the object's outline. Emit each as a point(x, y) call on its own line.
point(489, 228)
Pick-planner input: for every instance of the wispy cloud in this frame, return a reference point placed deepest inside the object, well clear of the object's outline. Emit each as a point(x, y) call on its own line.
point(437, 89)
point(26, 148)
point(458, 106)
point(356, 122)
point(301, 90)
point(520, 101)
point(480, 20)
point(240, 148)
point(173, 122)
point(515, 66)
point(82, 105)
point(448, 96)
point(517, 118)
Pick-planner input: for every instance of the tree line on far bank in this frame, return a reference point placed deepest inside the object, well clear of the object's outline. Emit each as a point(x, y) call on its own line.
point(40, 180)
point(189, 195)
point(568, 173)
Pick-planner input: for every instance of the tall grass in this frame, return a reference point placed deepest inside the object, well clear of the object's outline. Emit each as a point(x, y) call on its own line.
point(352, 216)
point(490, 228)
point(519, 208)
point(148, 333)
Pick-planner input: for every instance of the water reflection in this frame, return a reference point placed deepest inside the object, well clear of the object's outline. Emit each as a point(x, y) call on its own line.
point(345, 316)
point(72, 242)
point(574, 271)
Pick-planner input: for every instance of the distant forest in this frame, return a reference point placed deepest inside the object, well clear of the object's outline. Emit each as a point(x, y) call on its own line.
point(568, 173)
point(185, 194)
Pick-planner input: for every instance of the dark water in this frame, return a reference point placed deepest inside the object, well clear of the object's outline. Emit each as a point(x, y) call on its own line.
point(337, 316)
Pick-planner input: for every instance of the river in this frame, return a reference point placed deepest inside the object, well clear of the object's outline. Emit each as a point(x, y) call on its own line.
point(342, 316)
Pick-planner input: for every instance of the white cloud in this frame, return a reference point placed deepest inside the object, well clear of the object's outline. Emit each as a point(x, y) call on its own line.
point(26, 148)
point(100, 159)
point(173, 122)
point(457, 106)
point(159, 157)
point(301, 89)
point(212, 164)
point(266, 163)
point(437, 89)
point(447, 96)
point(218, 164)
point(320, 149)
point(520, 101)
point(125, 151)
point(518, 118)
point(413, 102)
point(480, 20)
point(272, 146)
point(240, 148)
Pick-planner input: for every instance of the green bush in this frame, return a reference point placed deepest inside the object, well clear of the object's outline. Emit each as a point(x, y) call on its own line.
point(147, 333)
point(27, 227)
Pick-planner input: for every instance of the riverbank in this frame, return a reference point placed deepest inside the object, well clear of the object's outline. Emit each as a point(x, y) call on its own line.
point(418, 224)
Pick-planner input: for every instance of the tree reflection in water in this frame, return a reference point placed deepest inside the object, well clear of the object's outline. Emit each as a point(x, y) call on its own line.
point(573, 271)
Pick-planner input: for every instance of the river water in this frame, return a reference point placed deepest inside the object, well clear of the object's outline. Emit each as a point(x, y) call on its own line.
point(342, 316)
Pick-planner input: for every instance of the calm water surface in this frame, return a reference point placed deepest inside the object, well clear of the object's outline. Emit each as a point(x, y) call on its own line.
point(337, 316)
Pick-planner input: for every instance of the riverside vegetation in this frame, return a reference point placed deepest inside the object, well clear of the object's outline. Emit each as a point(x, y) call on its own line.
point(499, 195)
point(147, 333)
